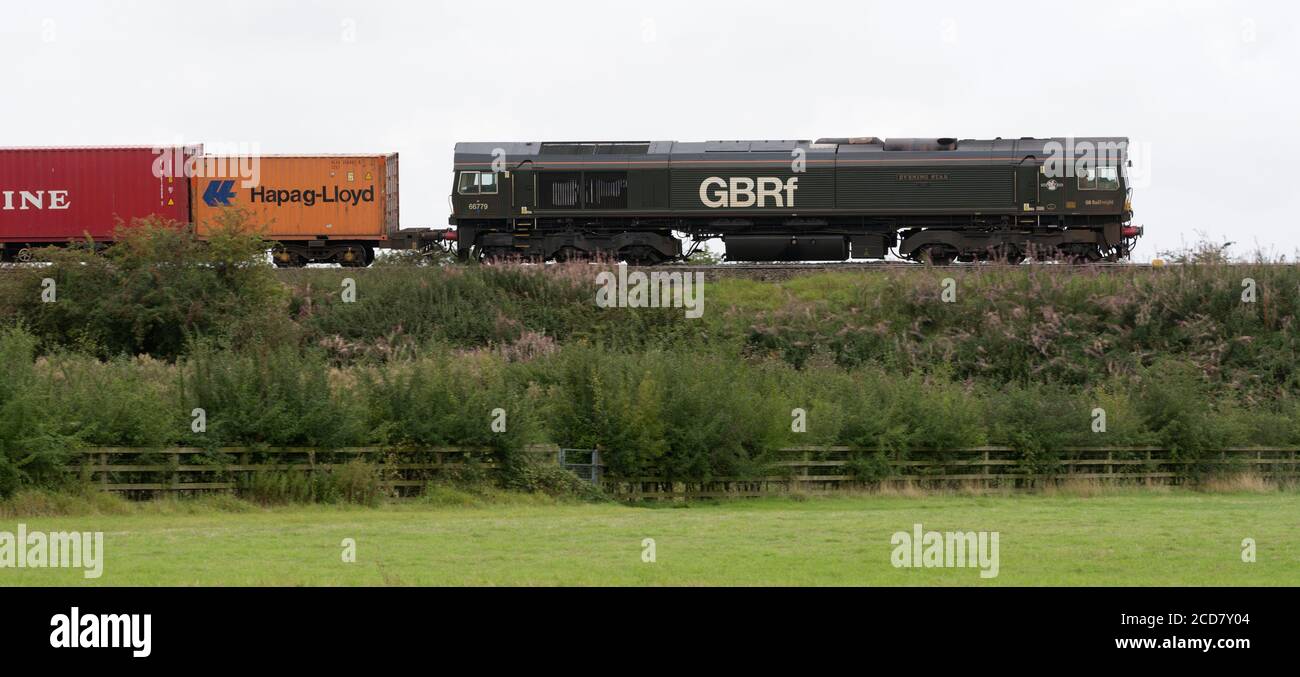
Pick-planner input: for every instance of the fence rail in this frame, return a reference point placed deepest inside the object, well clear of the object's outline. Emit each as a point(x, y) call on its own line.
point(802, 469)
point(136, 470)
point(829, 469)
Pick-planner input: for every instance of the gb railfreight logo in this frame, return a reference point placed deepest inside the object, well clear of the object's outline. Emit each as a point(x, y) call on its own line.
point(717, 192)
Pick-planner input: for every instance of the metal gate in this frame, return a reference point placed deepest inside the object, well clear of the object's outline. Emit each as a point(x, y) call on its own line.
point(585, 463)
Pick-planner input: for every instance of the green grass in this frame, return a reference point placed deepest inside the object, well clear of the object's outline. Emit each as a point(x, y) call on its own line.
point(1124, 538)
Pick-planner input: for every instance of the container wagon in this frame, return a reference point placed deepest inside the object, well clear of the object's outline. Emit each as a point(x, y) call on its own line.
point(314, 208)
point(54, 196)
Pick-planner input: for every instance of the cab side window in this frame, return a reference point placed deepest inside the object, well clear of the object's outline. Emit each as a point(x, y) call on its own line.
point(1099, 178)
point(477, 183)
point(1108, 178)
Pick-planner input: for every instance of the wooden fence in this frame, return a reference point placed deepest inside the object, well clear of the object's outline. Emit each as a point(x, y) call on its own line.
point(829, 469)
point(184, 469)
point(803, 469)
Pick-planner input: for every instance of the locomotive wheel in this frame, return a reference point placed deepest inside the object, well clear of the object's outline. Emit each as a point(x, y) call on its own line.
point(567, 254)
point(641, 255)
point(937, 255)
point(507, 255)
point(1084, 258)
point(1044, 254)
point(494, 255)
point(1009, 254)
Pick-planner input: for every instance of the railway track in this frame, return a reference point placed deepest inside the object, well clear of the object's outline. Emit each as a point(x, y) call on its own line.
point(758, 269)
point(878, 265)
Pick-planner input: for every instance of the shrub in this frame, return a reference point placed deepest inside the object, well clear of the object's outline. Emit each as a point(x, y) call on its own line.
point(1176, 405)
point(357, 482)
point(32, 450)
point(158, 285)
point(446, 400)
point(274, 396)
point(680, 416)
point(551, 480)
point(285, 487)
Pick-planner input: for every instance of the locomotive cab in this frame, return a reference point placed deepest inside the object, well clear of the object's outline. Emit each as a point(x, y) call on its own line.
point(479, 193)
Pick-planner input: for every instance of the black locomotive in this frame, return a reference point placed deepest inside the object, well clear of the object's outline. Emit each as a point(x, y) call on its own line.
point(936, 200)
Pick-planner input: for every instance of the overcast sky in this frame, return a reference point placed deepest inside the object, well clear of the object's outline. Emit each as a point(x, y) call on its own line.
point(1207, 91)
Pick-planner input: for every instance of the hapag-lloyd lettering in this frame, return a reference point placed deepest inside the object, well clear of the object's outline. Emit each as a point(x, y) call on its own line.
point(310, 197)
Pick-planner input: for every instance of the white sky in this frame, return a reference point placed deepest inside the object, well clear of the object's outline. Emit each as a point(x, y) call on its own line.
point(1207, 90)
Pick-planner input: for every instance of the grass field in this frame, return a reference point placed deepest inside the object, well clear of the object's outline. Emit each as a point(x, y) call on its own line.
point(1127, 538)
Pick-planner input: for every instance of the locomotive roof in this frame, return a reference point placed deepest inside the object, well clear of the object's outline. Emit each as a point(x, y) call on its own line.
point(607, 152)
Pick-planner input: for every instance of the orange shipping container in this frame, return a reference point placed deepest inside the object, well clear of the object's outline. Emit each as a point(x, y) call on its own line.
point(337, 198)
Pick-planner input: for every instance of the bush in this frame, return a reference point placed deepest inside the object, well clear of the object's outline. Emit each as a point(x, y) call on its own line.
point(678, 416)
point(401, 308)
point(32, 449)
point(357, 482)
point(1176, 405)
point(273, 396)
point(286, 487)
point(119, 402)
point(73, 499)
point(551, 480)
point(449, 400)
point(157, 286)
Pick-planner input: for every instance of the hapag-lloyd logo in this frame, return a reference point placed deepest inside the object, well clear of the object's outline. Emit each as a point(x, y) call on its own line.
point(309, 197)
point(717, 192)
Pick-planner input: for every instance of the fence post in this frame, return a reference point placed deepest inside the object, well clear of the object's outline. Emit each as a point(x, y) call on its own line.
point(175, 482)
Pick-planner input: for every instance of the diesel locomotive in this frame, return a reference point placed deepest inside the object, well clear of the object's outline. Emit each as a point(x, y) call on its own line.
point(833, 199)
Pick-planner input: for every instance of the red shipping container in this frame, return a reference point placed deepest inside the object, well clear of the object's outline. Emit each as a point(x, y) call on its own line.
point(55, 195)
